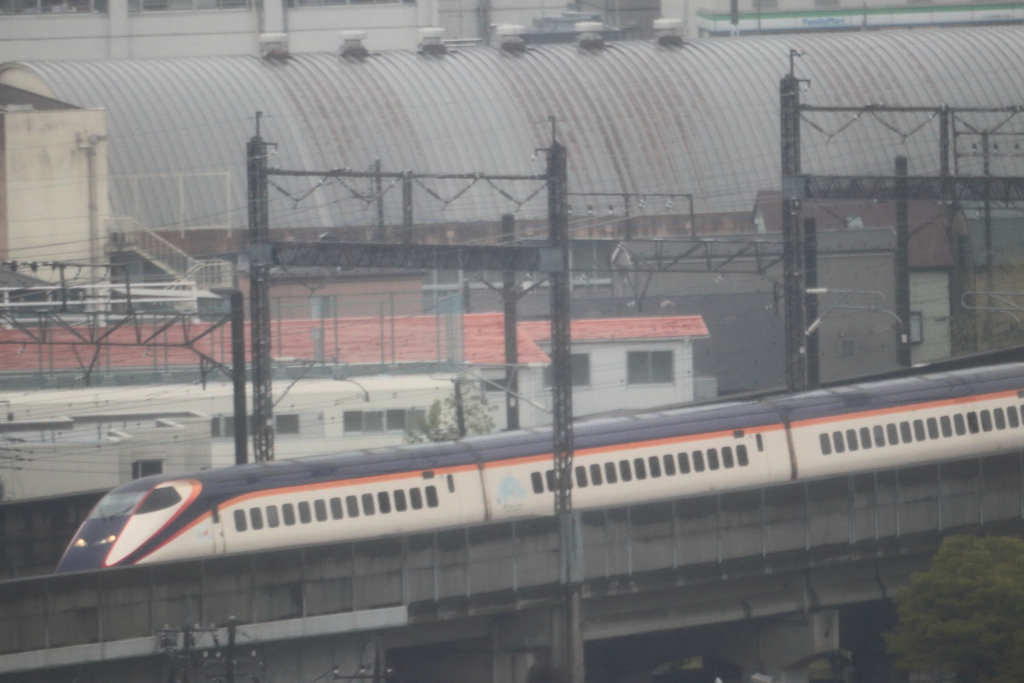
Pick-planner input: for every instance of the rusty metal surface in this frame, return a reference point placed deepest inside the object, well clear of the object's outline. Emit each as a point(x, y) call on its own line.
point(636, 118)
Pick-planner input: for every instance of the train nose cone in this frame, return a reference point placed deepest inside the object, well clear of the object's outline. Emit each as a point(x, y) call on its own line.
point(90, 546)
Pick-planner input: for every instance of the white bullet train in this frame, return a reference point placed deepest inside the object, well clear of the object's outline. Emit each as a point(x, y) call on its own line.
point(661, 455)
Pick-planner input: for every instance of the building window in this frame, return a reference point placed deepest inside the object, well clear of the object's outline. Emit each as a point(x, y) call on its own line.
point(580, 370)
point(286, 424)
point(649, 367)
point(369, 421)
point(147, 468)
point(916, 331)
point(51, 6)
point(168, 5)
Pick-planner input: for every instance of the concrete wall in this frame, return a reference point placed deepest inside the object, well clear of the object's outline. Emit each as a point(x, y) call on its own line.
point(56, 187)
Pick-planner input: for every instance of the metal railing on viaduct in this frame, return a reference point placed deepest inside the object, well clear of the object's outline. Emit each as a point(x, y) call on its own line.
point(693, 541)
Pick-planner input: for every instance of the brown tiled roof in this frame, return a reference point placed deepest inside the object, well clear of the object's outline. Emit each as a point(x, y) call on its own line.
point(410, 339)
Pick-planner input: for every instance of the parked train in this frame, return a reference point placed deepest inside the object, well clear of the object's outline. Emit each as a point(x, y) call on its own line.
point(660, 455)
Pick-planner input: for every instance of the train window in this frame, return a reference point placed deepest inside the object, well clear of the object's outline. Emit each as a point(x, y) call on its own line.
point(655, 466)
point(336, 511)
point(760, 443)
point(905, 432)
point(826, 444)
point(550, 476)
point(537, 481)
point(698, 461)
point(865, 437)
point(431, 496)
point(416, 499)
point(919, 430)
point(999, 418)
point(384, 502)
point(240, 523)
point(581, 477)
point(894, 435)
point(879, 435)
point(595, 475)
point(727, 460)
point(320, 509)
point(986, 421)
point(609, 473)
point(288, 512)
point(933, 428)
point(972, 423)
point(640, 467)
point(712, 458)
point(451, 484)
point(946, 426)
point(368, 506)
point(256, 518)
point(400, 505)
point(741, 455)
point(159, 499)
point(625, 470)
point(851, 439)
point(1011, 416)
point(684, 463)
point(958, 425)
point(352, 505)
point(670, 464)
point(273, 521)
point(837, 442)
point(304, 515)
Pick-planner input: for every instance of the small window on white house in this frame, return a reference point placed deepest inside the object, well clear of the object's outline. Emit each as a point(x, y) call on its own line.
point(286, 424)
point(580, 369)
point(147, 468)
point(649, 367)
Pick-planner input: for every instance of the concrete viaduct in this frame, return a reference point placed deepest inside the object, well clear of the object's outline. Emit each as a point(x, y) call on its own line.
point(756, 579)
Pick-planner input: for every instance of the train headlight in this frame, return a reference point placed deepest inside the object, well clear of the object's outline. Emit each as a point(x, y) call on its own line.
point(108, 539)
point(80, 543)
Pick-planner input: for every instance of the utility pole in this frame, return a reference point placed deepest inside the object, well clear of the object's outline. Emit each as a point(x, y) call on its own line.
point(792, 241)
point(510, 298)
point(406, 209)
point(259, 293)
point(237, 368)
point(562, 442)
point(902, 265)
point(378, 189)
point(811, 301)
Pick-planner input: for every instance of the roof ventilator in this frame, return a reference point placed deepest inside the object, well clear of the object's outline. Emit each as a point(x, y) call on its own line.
point(352, 46)
point(430, 41)
point(669, 32)
point(588, 35)
point(274, 45)
point(510, 38)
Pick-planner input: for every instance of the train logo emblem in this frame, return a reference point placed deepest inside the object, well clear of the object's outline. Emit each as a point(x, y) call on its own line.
point(510, 492)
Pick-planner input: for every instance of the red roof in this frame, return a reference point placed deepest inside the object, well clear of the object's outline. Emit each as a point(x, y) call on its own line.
point(410, 339)
point(599, 329)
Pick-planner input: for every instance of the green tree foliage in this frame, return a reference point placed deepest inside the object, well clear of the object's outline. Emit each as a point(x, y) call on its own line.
point(441, 422)
point(965, 616)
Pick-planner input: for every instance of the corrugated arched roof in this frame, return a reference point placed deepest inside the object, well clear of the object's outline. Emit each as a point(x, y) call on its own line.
point(637, 118)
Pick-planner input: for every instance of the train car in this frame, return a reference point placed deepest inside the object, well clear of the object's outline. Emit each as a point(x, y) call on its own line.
point(618, 461)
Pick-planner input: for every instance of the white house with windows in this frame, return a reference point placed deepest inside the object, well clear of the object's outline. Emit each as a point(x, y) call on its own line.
point(617, 364)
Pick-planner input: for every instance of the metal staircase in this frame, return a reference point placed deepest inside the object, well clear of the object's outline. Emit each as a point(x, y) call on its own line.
point(126, 235)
